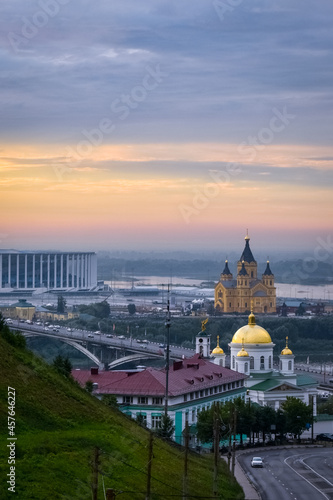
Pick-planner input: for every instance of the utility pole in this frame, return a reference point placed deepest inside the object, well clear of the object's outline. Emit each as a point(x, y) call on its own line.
point(234, 443)
point(150, 458)
point(216, 447)
point(185, 461)
point(167, 324)
point(95, 473)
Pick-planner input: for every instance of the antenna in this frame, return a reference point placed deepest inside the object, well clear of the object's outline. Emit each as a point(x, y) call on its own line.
point(167, 360)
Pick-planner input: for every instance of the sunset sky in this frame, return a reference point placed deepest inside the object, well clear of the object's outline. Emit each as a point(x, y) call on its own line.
point(166, 125)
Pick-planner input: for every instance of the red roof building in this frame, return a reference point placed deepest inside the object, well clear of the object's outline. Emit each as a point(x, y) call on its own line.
point(194, 384)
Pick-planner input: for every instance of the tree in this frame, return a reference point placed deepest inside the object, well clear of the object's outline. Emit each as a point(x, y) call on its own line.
point(61, 304)
point(16, 339)
point(141, 419)
point(167, 428)
point(63, 366)
point(298, 415)
point(110, 400)
point(131, 309)
point(89, 386)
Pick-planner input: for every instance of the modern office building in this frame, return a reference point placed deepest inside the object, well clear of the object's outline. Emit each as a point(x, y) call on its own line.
point(50, 270)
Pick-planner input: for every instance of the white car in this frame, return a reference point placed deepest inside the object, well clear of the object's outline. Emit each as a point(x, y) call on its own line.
point(257, 462)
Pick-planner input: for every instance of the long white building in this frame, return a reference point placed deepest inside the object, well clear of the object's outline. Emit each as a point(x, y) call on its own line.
point(51, 270)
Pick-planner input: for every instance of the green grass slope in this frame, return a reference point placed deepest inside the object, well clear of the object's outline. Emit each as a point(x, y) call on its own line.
point(58, 425)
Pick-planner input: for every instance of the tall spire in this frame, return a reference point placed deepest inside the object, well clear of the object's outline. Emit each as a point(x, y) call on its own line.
point(247, 255)
point(268, 271)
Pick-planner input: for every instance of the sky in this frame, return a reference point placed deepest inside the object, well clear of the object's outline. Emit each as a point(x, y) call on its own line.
point(166, 125)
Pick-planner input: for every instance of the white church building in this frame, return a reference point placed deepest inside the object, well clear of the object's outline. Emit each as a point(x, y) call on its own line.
point(251, 353)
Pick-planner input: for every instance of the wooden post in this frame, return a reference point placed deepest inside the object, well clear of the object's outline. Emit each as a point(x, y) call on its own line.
point(110, 494)
point(234, 443)
point(95, 474)
point(216, 448)
point(150, 458)
point(185, 461)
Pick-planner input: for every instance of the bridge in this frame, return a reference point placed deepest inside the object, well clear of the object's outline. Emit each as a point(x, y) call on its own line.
point(102, 349)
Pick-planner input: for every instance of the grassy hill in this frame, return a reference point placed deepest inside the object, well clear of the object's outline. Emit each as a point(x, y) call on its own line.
point(58, 425)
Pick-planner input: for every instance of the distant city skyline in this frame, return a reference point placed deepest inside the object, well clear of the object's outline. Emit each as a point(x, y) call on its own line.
point(166, 125)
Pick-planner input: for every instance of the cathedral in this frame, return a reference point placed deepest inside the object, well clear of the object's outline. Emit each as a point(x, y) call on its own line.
point(237, 295)
point(251, 354)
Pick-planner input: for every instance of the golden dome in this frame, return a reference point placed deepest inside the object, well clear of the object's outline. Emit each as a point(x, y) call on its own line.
point(251, 333)
point(218, 349)
point(286, 351)
point(242, 353)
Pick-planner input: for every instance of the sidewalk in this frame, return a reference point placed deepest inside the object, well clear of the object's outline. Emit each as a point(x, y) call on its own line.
point(249, 491)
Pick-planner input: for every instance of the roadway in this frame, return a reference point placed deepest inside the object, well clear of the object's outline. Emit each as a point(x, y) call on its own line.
point(294, 473)
point(84, 336)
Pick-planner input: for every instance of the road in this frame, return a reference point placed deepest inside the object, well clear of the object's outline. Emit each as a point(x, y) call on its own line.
point(176, 352)
point(295, 473)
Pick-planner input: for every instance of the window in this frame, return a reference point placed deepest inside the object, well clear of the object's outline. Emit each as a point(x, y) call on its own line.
point(251, 363)
point(246, 367)
point(290, 365)
point(233, 362)
point(201, 393)
point(233, 385)
point(185, 397)
point(251, 274)
point(193, 415)
point(245, 282)
point(245, 304)
point(157, 401)
point(156, 421)
point(220, 294)
point(192, 395)
point(211, 390)
point(271, 282)
point(215, 389)
point(270, 362)
point(229, 304)
point(206, 392)
point(262, 363)
point(128, 399)
point(143, 400)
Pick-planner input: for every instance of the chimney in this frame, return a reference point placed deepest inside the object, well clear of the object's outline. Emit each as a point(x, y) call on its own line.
point(94, 370)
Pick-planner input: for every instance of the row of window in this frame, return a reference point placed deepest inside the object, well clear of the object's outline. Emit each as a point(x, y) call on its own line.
point(213, 390)
point(262, 363)
point(142, 400)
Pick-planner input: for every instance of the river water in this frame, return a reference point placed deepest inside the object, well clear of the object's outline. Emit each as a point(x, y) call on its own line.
point(308, 292)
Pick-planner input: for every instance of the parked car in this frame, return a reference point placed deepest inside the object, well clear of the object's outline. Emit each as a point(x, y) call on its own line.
point(69, 329)
point(90, 335)
point(161, 346)
point(109, 336)
point(97, 332)
point(257, 462)
point(324, 437)
point(121, 337)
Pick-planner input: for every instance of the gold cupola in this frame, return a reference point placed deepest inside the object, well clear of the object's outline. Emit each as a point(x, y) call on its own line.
point(251, 333)
point(218, 349)
point(242, 353)
point(286, 351)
